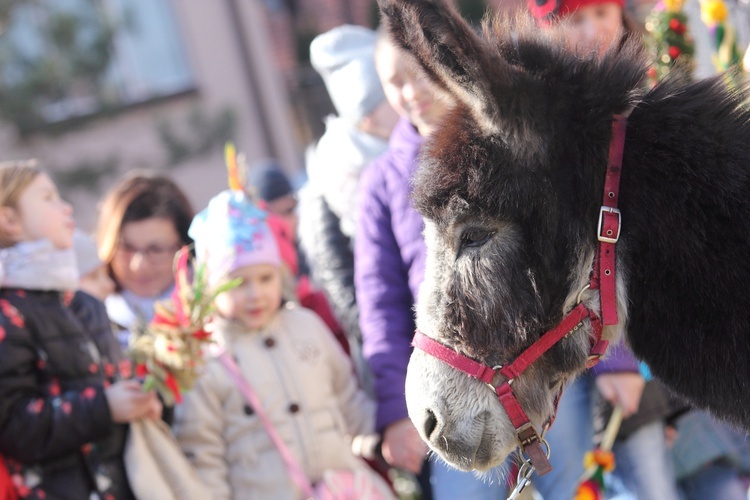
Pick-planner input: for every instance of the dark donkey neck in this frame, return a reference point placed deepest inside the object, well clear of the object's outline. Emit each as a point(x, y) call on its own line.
point(685, 200)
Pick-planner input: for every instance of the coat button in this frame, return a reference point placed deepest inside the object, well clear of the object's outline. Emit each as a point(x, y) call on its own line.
point(269, 342)
point(248, 410)
point(293, 408)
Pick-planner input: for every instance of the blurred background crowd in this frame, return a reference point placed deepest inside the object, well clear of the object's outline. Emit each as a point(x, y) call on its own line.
point(94, 89)
point(128, 104)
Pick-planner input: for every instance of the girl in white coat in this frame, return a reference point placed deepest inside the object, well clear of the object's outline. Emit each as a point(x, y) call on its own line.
point(300, 373)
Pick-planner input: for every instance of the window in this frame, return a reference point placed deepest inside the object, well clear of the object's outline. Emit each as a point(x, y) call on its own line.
point(62, 59)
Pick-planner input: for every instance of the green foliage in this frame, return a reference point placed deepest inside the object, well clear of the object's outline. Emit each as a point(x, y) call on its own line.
point(169, 350)
point(87, 174)
point(70, 61)
point(671, 43)
point(204, 134)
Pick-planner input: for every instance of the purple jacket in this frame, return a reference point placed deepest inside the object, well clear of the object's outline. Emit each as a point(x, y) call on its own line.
point(389, 260)
point(619, 358)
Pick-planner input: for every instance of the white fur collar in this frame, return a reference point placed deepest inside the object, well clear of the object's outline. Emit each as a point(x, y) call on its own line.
point(38, 265)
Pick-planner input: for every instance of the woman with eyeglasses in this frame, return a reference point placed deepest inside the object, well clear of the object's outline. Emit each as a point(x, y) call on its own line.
point(142, 223)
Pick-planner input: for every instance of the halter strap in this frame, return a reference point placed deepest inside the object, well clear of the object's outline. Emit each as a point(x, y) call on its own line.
point(610, 222)
point(602, 279)
point(527, 437)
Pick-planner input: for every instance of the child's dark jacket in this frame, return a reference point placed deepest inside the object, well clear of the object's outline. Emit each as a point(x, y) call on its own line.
point(57, 354)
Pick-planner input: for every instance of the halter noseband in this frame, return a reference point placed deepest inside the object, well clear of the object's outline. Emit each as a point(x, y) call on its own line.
point(602, 279)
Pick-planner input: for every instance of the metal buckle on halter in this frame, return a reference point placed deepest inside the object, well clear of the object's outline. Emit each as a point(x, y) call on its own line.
point(600, 236)
point(524, 441)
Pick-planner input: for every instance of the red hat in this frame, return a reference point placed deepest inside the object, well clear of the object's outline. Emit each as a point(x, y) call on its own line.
point(284, 240)
point(546, 10)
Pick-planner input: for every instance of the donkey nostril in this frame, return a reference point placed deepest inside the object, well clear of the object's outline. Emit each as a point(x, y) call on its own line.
point(430, 423)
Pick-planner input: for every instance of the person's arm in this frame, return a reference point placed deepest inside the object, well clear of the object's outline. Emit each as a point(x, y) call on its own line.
point(36, 423)
point(384, 298)
point(618, 379)
point(199, 422)
point(386, 320)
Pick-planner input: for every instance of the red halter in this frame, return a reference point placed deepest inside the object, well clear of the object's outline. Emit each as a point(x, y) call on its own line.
point(602, 279)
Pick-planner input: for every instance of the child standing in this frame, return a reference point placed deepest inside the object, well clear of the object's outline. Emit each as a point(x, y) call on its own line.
point(301, 375)
point(62, 397)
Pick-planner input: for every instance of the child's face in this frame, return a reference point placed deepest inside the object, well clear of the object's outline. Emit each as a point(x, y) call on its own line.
point(256, 300)
point(408, 89)
point(593, 28)
point(97, 283)
point(42, 214)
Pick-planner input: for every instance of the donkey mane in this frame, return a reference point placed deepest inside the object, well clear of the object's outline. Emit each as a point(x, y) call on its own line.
point(527, 144)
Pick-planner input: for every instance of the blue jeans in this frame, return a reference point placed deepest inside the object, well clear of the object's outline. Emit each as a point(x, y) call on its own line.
point(709, 455)
point(449, 483)
point(716, 480)
point(644, 464)
point(571, 437)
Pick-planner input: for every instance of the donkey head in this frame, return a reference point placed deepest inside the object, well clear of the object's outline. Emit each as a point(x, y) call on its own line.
point(510, 188)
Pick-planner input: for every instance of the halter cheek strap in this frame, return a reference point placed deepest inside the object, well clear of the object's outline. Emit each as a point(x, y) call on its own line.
point(602, 279)
point(610, 223)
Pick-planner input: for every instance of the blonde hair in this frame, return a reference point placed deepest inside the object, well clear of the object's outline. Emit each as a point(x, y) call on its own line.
point(15, 177)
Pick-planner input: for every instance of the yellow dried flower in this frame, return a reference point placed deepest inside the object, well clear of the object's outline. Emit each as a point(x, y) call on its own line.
point(169, 351)
point(673, 5)
point(713, 12)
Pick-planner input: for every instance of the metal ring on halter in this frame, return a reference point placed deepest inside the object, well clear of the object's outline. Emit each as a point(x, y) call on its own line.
point(544, 443)
point(547, 452)
point(494, 369)
point(579, 297)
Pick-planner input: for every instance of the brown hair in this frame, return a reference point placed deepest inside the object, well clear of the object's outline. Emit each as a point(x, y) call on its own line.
point(15, 177)
point(141, 195)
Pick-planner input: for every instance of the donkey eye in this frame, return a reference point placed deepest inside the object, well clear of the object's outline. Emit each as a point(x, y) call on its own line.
point(475, 237)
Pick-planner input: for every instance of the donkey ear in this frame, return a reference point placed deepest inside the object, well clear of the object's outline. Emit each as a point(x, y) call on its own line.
point(451, 53)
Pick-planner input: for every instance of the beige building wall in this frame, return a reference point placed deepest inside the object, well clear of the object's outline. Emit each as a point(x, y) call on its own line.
point(226, 44)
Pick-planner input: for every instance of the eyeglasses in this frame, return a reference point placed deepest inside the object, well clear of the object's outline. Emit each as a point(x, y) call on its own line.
point(154, 254)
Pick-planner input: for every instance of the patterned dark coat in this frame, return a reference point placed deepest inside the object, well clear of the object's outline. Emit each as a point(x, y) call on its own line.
point(57, 354)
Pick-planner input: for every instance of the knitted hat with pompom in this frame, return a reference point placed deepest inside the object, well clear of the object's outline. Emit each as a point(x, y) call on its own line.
point(232, 232)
